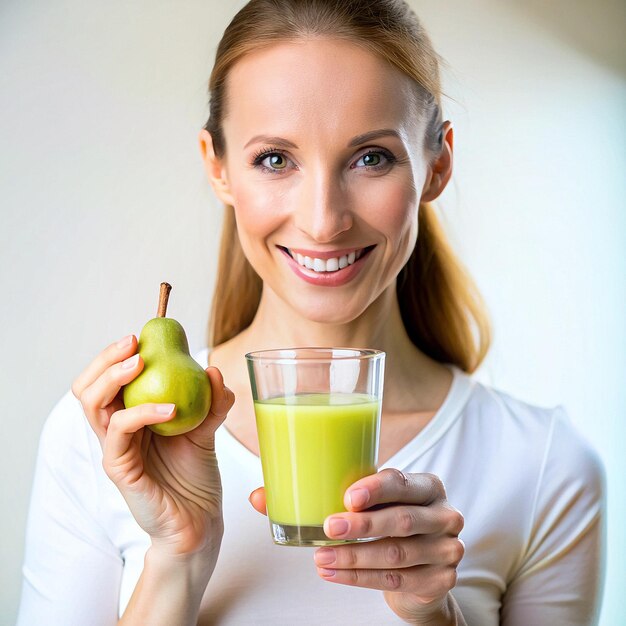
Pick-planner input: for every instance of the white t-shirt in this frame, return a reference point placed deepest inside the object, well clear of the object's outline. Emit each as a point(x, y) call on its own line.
point(530, 489)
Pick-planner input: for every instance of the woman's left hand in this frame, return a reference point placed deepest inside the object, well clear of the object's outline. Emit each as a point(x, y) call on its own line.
point(414, 560)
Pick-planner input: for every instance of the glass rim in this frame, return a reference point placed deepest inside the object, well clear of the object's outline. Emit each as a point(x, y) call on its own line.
point(288, 356)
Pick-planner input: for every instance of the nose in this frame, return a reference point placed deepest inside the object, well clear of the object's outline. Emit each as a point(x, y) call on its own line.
point(323, 209)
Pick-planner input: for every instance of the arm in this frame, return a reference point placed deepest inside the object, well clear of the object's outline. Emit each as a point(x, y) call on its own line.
point(565, 591)
point(71, 570)
point(170, 484)
point(170, 589)
point(559, 578)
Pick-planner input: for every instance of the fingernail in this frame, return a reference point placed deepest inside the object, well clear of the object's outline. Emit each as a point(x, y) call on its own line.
point(328, 573)
point(359, 497)
point(125, 342)
point(130, 362)
point(165, 409)
point(338, 526)
point(324, 556)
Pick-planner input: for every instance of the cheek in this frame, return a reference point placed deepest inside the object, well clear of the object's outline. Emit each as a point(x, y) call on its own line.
point(257, 209)
point(392, 209)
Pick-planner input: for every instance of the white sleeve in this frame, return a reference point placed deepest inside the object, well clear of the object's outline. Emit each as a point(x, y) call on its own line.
point(559, 580)
point(71, 571)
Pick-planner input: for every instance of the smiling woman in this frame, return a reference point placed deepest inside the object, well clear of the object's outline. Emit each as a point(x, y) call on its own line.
point(432, 285)
point(326, 144)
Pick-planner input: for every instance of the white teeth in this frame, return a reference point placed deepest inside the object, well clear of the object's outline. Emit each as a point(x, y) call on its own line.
point(326, 265)
point(319, 265)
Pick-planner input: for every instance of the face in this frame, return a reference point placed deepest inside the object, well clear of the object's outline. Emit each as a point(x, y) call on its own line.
point(324, 166)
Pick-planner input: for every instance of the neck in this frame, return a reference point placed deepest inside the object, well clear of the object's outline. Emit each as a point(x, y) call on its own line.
point(377, 327)
point(409, 374)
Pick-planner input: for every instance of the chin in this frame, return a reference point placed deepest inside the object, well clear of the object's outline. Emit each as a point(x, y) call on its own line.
point(329, 311)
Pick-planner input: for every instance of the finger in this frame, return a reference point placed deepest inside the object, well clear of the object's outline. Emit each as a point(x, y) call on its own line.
point(257, 500)
point(222, 398)
point(125, 423)
point(427, 580)
point(393, 553)
point(105, 388)
point(392, 485)
point(114, 353)
point(395, 521)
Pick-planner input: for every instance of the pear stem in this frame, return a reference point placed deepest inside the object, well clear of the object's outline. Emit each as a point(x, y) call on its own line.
point(163, 298)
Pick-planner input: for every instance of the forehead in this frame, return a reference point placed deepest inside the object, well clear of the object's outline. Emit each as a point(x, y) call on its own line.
point(315, 86)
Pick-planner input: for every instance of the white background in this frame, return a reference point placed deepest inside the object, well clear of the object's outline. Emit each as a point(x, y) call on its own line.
point(102, 196)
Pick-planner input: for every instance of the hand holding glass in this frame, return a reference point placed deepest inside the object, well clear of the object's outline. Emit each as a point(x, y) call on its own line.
point(318, 421)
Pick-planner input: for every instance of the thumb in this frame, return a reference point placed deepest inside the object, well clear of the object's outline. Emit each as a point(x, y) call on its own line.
point(222, 398)
point(257, 500)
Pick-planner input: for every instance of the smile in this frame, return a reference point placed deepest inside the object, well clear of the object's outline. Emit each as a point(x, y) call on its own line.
point(328, 263)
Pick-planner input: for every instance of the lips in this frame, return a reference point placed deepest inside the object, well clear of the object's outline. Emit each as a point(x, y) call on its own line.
point(326, 262)
point(326, 269)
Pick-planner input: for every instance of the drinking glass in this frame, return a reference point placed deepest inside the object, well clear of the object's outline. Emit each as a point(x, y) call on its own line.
point(318, 420)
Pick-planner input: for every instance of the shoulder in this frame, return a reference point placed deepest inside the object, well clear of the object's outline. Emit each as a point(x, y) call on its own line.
point(544, 435)
point(556, 474)
point(543, 479)
point(497, 407)
point(570, 450)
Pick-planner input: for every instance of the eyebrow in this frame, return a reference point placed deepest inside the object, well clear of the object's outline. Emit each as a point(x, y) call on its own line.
point(355, 141)
point(276, 141)
point(374, 134)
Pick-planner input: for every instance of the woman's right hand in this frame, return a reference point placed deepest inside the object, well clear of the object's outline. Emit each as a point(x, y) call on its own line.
point(171, 484)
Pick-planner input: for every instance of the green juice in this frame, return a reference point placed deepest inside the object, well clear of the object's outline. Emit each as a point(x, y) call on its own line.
point(313, 447)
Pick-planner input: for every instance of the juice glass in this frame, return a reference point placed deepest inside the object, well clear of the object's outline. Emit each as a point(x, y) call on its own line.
point(318, 420)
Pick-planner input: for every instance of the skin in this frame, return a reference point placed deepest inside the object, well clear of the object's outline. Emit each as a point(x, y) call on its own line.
point(325, 198)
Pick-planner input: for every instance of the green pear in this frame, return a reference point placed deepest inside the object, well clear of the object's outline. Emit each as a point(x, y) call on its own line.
point(170, 374)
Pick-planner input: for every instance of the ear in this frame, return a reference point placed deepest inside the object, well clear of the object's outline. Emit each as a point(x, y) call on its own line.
point(215, 168)
point(440, 169)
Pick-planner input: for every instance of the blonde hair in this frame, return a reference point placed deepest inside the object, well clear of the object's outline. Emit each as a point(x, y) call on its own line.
point(441, 308)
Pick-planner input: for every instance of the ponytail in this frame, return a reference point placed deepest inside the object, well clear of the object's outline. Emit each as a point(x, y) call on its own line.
point(442, 310)
point(237, 290)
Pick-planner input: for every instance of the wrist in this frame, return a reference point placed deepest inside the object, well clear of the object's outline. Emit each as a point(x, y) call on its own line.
point(442, 611)
point(195, 565)
point(186, 548)
point(170, 588)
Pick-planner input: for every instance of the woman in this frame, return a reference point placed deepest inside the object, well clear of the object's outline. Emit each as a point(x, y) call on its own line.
point(326, 144)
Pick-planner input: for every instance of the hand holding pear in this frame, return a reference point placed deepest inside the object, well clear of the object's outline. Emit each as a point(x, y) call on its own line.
point(170, 374)
point(171, 485)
